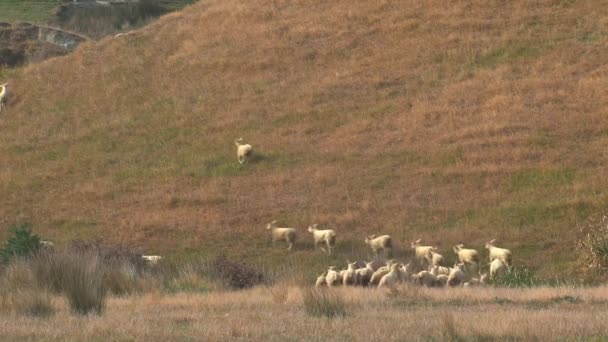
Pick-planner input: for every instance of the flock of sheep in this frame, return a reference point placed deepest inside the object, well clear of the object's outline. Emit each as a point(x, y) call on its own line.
point(426, 269)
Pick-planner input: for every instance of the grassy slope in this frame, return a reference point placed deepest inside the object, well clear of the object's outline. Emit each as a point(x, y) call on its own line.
point(451, 122)
point(39, 11)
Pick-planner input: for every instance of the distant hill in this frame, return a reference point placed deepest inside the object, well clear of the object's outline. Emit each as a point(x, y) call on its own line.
point(447, 121)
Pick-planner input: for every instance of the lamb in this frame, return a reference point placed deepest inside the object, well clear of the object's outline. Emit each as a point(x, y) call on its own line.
point(436, 258)
point(350, 275)
point(152, 259)
point(332, 277)
point(282, 234)
point(46, 244)
point(383, 242)
point(422, 253)
point(442, 280)
point(327, 236)
point(438, 270)
point(243, 151)
point(499, 253)
point(392, 278)
point(458, 275)
point(469, 257)
point(3, 95)
point(379, 273)
point(425, 278)
point(364, 274)
point(321, 280)
point(497, 268)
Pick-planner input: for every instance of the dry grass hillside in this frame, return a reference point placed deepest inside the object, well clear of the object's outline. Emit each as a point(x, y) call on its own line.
point(454, 121)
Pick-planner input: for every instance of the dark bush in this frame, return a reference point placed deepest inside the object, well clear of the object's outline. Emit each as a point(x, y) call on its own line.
point(235, 275)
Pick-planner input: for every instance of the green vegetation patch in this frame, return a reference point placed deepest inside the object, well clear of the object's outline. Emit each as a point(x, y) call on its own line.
point(534, 178)
point(38, 11)
point(509, 53)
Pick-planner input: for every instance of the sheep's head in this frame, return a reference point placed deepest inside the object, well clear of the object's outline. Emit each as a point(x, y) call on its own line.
point(369, 238)
point(271, 225)
point(331, 268)
point(490, 243)
point(312, 227)
point(457, 248)
point(416, 243)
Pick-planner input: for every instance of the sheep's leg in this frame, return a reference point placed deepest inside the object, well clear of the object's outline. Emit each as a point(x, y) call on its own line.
point(323, 249)
point(290, 246)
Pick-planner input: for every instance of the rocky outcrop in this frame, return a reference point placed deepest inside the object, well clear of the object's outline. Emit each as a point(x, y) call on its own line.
point(24, 43)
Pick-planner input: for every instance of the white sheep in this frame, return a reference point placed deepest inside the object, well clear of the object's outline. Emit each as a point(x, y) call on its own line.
point(497, 268)
point(392, 278)
point(243, 151)
point(384, 243)
point(422, 253)
point(320, 236)
point(332, 277)
point(349, 277)
point(152, 259)
point(282, 234)
point(3, 95)
point(321, 280)
point(499, 253)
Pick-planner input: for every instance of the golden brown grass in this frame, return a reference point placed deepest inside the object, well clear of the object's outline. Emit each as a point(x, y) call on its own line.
point(412, 314)
point(451, 121)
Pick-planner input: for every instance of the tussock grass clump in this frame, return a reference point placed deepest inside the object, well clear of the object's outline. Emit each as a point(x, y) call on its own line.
point(324, 303)
point(83, 283)
point(593, 243)
point(22, 293)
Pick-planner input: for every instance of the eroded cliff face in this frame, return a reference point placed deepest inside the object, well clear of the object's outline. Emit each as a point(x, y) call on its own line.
point(22, 43)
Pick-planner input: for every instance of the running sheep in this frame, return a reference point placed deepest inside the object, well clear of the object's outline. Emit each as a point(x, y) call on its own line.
point(243, 151)
point(422, 253)
point(467, 256)
point(499, 253)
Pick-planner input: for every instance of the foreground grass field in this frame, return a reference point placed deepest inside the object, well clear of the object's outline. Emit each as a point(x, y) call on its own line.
point(277, 314)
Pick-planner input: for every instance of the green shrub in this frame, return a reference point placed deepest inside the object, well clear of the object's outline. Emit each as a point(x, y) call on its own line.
point(21, 243)
point(517, 278)
point(323, 303)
